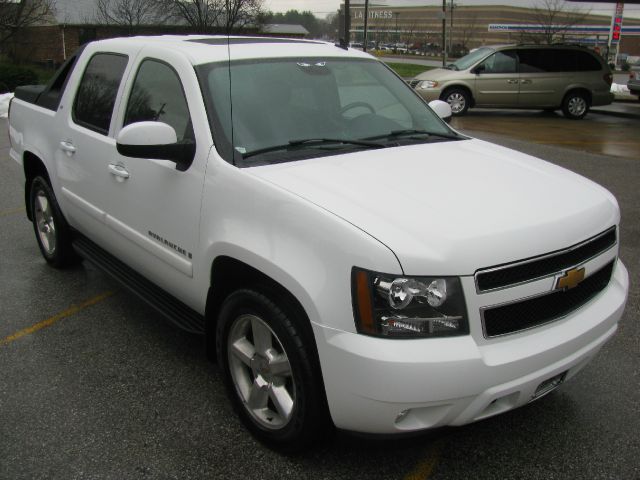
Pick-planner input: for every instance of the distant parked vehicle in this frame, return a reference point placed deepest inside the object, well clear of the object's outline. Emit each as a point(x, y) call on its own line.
point(634, 81)
point(521, 76)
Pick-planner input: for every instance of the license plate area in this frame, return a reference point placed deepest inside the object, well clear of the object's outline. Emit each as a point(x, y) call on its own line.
point(549, 385)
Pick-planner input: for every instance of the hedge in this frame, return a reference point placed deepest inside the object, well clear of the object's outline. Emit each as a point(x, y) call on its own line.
point(12, 76)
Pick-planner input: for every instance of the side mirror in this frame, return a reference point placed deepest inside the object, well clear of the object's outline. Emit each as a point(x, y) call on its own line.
point(155, 140)
point(479, 69)
point(442, 109)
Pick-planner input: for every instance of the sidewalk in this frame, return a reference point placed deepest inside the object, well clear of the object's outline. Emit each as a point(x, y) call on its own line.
point(621, 108)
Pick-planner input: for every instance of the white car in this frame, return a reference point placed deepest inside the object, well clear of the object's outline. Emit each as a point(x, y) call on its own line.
point(351, 259)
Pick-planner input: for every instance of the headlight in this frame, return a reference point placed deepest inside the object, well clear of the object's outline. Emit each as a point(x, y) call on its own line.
point(425, 84)
point(398, 306)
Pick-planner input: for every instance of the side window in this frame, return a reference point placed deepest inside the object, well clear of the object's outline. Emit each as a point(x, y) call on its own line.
point(97, 92)
point(586, 62)
point(535, 61)
point(157, 96)
point(501, 62)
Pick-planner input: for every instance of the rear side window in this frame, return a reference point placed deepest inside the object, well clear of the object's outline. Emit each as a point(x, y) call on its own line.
point(96, 97)
point(157, 96)
point(556, 60)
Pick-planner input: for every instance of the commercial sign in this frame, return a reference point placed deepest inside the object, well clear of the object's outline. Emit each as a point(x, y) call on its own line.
point(573, 29)
point(358, 14)
point(616, 24)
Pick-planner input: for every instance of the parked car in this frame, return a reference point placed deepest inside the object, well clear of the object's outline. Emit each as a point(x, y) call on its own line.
point(520, 76)
point(634, 81)
point(350, 259)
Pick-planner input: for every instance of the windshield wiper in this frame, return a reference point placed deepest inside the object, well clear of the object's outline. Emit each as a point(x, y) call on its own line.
point(312, 142)
point(452, 66)
point(412, 131)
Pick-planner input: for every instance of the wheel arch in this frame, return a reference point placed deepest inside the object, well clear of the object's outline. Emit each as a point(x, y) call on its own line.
point(33, 166)
point(460, 86)
point(581, 89)
point(229, 274)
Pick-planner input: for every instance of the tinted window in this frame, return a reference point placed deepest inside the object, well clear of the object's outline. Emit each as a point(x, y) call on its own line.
point(586, 62)
point(157, 96)
point(500, 62)
point(98, 89)
point(556, 60)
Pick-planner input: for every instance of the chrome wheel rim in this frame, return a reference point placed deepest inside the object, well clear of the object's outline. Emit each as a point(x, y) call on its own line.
point(261, 372)
point(457, 102)
point(46, 226)
point(577, 106)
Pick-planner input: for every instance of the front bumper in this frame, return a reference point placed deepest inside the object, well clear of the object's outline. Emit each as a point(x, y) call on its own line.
point(376, 385)
point(429, 94)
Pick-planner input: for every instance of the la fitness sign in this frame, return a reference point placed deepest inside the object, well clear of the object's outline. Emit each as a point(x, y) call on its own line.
point(373, 14)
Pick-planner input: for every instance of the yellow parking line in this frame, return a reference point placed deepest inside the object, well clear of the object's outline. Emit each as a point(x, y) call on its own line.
point(73, 309)
point(6, 213)
point(426, 466)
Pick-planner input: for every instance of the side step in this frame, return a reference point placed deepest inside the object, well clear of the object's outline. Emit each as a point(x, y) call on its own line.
point(164, 303)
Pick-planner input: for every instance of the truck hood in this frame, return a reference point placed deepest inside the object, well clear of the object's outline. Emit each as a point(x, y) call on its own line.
point(439, 74)
point(450, 208)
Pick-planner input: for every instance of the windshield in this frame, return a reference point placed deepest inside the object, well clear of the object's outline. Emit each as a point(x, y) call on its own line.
point(470, 59)
point(293, 108)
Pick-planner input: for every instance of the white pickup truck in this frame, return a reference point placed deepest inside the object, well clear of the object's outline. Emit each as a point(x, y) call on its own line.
point(351, 259)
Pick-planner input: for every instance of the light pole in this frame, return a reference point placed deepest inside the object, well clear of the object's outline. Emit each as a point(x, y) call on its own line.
point(395, 47)
point(366, 23)
point(444, 33)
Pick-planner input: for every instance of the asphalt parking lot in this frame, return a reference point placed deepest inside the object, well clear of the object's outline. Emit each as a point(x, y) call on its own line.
point(94, 385)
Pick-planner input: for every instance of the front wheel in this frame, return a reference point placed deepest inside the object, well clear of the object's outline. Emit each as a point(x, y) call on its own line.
point(458, 99)
point(50, 226)
point(575, 105)
point(269, 372)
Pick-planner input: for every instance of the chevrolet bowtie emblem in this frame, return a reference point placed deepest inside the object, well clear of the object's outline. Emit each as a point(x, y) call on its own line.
point(570, 279)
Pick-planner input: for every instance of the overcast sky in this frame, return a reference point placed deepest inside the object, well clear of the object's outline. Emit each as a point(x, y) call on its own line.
point(322, 7)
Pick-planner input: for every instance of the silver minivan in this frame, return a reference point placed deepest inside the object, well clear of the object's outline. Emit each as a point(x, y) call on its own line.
point(548, 77)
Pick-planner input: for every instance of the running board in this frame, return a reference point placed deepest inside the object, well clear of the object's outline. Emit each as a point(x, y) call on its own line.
point(164, 303)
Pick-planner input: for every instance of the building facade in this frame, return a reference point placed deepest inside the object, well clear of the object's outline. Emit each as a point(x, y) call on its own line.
point(421, 27)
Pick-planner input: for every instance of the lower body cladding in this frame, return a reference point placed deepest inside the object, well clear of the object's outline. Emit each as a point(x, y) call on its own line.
point(381, 386)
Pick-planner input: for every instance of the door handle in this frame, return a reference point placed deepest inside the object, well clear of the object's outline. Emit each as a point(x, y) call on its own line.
point(512, 81)
point(118, 171)
point(523, 82)
point(68, 147)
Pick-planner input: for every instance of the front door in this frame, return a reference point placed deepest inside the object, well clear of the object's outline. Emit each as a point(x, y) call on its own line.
point(497, 82)
point(154, 206)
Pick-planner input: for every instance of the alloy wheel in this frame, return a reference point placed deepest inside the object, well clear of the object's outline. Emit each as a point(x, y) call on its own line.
point(261, 372)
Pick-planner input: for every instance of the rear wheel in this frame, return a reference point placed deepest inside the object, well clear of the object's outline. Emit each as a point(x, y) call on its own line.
point(575, 105)
point(269, 372)
point(459, 100)
point(50, 226)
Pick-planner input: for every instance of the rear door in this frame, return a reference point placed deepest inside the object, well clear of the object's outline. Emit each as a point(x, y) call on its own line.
point(544, 76)
point(497, 80)
point(85, 145)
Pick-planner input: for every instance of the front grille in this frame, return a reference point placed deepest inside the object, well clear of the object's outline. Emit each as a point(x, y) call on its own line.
point(536, 311)
point(414, 83)
point(527, 270)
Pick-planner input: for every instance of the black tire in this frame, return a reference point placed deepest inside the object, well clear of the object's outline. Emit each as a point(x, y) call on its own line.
point(459, 100)
point(575, 105)
point(308, 419)
point(52, 231)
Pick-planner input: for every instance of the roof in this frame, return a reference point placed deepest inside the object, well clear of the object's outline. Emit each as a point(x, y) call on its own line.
point(284, 29)
point(200, 49)
point(75, 12)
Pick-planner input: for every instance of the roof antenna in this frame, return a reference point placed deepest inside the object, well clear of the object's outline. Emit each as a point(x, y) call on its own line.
point(346, 22)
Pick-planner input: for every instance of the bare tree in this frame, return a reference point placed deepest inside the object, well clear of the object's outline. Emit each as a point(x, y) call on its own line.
point(128, 13)
point(467, 31)
point(18, 14)
point(208, 15)
point(410, 31)
point(554, 17)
